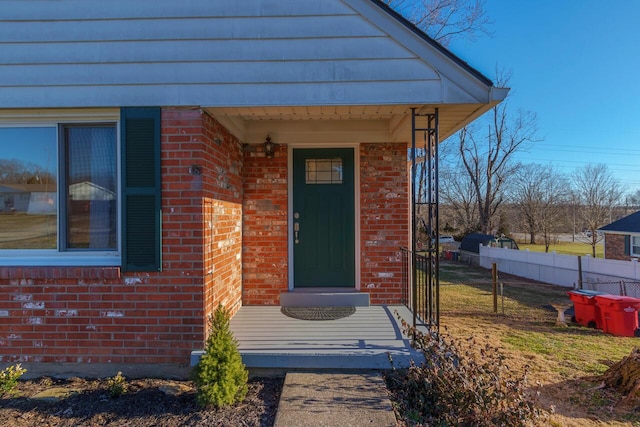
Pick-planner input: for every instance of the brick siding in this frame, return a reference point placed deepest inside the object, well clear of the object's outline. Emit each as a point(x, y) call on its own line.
point(384, 220)
point(614, 247)
point(225, 239)
point(384, 223)
point(265, 234)
point(100, 315)
point(222, 218)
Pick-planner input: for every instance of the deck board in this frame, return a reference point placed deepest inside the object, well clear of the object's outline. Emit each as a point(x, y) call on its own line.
point(269, 339)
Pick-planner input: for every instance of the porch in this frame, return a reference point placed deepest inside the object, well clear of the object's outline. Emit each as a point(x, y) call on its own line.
point(270, 340)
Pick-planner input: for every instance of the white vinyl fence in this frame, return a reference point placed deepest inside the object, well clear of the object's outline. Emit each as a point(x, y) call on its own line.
point(606, 275)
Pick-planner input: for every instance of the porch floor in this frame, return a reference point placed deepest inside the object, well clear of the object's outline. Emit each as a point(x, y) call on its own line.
point(267, 339)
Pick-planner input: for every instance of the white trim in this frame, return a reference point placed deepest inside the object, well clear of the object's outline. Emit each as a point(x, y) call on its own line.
point(48, 116)
point(356, 203)
point(55, 118)
point(631, 245)
point(53, 258)
point(624, 233)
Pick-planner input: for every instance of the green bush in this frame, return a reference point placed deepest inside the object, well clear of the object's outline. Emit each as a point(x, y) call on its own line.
point(461, 383)
point(220, 376)
point(9, 377)
point(117, 385)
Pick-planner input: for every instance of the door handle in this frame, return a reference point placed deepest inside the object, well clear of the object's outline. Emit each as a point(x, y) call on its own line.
point(296, 230)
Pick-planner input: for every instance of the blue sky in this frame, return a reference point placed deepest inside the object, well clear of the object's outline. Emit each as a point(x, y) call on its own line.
point(576, 64)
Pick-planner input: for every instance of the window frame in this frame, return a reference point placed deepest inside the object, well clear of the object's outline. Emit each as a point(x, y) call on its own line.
point(635, 239)
point(61, 256)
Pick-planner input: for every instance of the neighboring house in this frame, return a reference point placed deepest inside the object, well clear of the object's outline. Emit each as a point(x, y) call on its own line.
point(472, 242)
point(89, 191)
point(470, 246)
point(27, 198)
point(168, 202)
point(622, 238)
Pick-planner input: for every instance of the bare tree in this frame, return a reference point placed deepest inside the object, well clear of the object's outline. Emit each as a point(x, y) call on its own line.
point(540, 194)
point(445, 20)
point(487, 158)
point(457, 193)
point(633, 200)
point(13, 171)
point(527, 192)
point(598, 192)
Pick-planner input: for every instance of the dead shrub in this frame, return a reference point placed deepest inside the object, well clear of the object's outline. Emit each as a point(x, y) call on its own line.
point(461, 383)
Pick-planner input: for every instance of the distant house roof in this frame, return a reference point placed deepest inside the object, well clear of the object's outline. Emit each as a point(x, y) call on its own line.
point(628, 224)
point(90, 191)
point(473, 241)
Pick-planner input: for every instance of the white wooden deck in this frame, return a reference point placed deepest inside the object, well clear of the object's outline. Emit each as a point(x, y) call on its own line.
point(270, 340)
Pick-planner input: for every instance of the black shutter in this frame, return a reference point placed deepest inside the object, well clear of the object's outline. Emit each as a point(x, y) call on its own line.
point(627, 245)
point(141, 215)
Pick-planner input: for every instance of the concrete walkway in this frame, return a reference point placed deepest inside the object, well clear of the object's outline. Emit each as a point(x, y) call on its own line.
point(334, 399)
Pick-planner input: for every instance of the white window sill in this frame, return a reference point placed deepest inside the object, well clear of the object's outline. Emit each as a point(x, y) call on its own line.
point(57, 259)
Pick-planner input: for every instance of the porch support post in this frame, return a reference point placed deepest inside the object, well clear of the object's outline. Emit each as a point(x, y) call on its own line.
point(424, 191)
point(414, 246)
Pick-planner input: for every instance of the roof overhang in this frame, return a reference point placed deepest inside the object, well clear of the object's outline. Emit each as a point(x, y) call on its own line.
point(344, 123)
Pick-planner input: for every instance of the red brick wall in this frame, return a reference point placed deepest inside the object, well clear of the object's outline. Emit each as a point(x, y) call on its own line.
point(100, 315)
point(222, 217)
point(94, 315)
point(614, 247)
point(384, 221)
point(265, 226)
point(224, 240)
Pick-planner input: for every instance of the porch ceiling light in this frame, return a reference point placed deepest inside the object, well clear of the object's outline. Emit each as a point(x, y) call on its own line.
point(269, 147)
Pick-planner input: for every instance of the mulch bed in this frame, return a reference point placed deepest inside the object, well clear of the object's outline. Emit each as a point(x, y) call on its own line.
point(148, 402)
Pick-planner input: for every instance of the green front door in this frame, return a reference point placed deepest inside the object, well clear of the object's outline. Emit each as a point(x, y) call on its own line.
point(323, 218)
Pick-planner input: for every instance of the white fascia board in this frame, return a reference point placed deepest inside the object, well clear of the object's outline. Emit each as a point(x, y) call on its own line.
point(477, 90)
point(623, 233)
point(498, 94)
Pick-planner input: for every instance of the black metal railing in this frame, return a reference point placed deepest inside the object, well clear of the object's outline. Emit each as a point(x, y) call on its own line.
point(420, 294)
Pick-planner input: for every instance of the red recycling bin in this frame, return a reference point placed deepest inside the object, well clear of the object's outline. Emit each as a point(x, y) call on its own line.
point(586, 312)
point(619, 314)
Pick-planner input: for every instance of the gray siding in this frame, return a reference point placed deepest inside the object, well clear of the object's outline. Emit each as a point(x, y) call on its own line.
point(95, 53)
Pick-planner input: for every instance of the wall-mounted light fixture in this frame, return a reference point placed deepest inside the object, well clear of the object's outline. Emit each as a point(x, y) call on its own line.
point(269, 147)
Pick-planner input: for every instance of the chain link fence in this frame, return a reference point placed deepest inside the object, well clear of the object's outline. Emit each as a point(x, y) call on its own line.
point(513, 299)
point(619, 287)
point(468, 290)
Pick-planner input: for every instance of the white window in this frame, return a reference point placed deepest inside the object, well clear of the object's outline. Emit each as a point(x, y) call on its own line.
point(59, 191)
point(635, 246)
point(28, 188)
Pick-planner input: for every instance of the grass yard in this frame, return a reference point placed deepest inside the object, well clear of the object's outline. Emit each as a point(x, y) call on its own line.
point(21, 231)
point(566, 248)
point(565, 361)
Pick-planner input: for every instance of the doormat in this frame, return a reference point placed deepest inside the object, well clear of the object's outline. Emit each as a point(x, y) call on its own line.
point(318, 313)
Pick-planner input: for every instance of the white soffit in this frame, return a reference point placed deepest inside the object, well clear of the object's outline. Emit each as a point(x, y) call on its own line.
point(371, 123)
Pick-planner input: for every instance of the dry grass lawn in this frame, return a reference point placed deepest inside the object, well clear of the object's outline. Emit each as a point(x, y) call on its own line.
point(566, 248)
point(565, 362)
